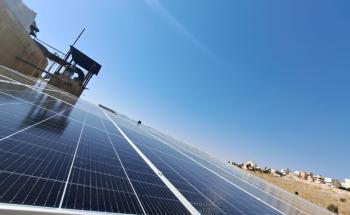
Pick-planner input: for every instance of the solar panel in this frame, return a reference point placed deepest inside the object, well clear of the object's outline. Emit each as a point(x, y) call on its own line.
point(194, 181)
point(63, 155)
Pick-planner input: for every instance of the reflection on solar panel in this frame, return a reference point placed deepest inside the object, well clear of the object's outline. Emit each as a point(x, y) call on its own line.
point(60, 155)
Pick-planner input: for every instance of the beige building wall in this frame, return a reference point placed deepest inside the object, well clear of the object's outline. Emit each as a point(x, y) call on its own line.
point(15, 41)
point(67, 84)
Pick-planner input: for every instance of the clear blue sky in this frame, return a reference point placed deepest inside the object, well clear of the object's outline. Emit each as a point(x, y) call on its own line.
point(243, 80)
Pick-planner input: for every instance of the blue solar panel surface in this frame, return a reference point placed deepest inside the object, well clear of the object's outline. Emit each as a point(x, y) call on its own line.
point(209, 193)
point(49, 147)
point(62, 153)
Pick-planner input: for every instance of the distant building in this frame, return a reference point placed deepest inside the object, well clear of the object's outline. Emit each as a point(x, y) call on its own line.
point(284, 171)
point(276, 173)
point(303, 175)
point(310, 177)
point(318, 179)
point(306, 176)
point(296, 173)
point(346, 183)
point(336, 183)
point(251, 165)
point(332, 181)
point(328, 180)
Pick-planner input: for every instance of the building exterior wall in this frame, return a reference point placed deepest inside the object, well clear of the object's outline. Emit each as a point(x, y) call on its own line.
point(15, 42)
point(66, 84)
point(319, 179)
point(303, 175)
point(24, 15)
point(346, 183)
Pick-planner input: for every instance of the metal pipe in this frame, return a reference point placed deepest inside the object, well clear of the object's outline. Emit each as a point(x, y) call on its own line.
point(49, 45)
point(68, 53)
point(76, 40)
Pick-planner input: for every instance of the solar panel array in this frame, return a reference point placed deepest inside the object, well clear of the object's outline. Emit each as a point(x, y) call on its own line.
point(60, 154)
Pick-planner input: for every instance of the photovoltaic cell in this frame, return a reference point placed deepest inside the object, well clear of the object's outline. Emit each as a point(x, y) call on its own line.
point(238, 179)
point(32, 166)
point(97, 172)
point(57, 151)
point(147, 184)
point(195, 182)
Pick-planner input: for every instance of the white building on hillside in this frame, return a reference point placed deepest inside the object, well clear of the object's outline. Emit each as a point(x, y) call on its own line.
point(252, 165)
point(318, 179)
point(296, 173)
point(332, 182)
point(346, 183)
point(284, 171)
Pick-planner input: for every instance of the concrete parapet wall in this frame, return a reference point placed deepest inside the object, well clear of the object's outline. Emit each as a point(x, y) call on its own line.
point(66, 84)
point(15, 41)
